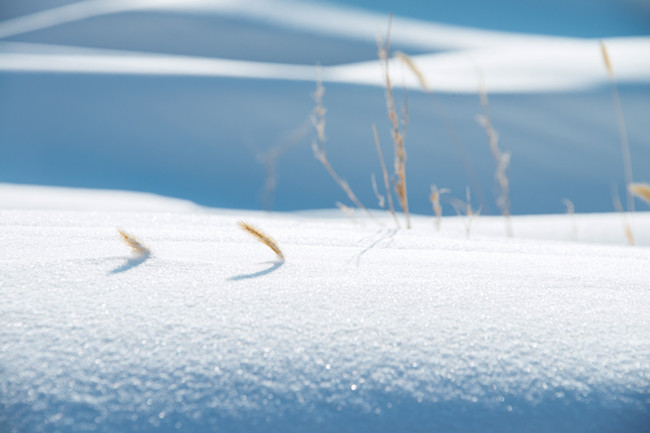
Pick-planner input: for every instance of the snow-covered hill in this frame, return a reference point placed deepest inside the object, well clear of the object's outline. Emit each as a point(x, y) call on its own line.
point(210, 101)
point(363, 328)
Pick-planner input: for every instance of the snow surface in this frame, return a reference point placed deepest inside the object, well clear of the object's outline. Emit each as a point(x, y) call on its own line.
point(510, 62)
point(363, 328)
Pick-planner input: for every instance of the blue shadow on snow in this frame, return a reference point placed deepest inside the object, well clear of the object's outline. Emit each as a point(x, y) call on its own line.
point(130, 263)
point(274, 266)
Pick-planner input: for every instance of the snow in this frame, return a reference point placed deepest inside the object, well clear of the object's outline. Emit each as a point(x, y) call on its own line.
point(364, 327)
point(510, 62)
point(108, 108)
point(516, 67)
point(61, 59)
point(188, 99)
point(307, 16)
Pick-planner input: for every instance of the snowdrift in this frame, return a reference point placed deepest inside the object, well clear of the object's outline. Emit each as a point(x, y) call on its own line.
point(363, 328)
point(209, 101)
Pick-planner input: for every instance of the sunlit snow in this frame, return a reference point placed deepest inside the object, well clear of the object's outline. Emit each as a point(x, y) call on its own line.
point(108, 108)
point(364, 327)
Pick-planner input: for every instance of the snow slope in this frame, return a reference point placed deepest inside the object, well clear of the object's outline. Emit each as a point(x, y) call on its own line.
point(363, 328)
point(209, 101)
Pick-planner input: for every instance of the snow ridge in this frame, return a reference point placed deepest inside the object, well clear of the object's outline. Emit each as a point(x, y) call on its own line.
point(363, 329)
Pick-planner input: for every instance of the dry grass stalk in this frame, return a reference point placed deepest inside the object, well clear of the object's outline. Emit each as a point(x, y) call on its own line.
point(628, 232)
point(466, 209)
point(608, 62)
point(389, 196)
point(318, 146)
point(627, 228)
point(381, 200)
point(470, 213)
point(263, 237)
point(451, 129)
point(501, 159)
point(622, 130)
point(398, 128)
point(571, 210)
point(435, 201)
point(135, 245)
point(270, 157)
point(413, 68)
point(346, 210)
point(641, 190)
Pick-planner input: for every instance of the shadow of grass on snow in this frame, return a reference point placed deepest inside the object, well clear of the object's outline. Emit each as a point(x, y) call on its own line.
point(274, 267)
point(130, 263)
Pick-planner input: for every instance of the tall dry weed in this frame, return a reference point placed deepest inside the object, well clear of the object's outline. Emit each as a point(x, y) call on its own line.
point(501, 159)
point(627, 228)
point(622, 130)
point(381, 200)
point(346, 210)
point(443, 114)
point(318, 146)
point(435, 201)
point(398, 126)
point(389, 196)
point(571, 210)
point(269, 160)
point(465, 208)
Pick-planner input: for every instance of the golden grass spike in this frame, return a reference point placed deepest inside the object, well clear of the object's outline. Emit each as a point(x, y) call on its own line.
point(641, 190)
point(262, 237)
point(608, 62)
point(414, 68)
point(135, 245)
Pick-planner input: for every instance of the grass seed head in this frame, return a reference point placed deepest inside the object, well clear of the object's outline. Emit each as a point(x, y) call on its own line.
point(263, 237)
point(641, 190)
point(414, 69)
point(606, 59)
point(435, 201)
point(135, 245)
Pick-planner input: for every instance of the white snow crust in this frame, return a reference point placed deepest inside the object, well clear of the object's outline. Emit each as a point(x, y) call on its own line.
point(210, 101)
point(509, 62)
point(363, 328)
